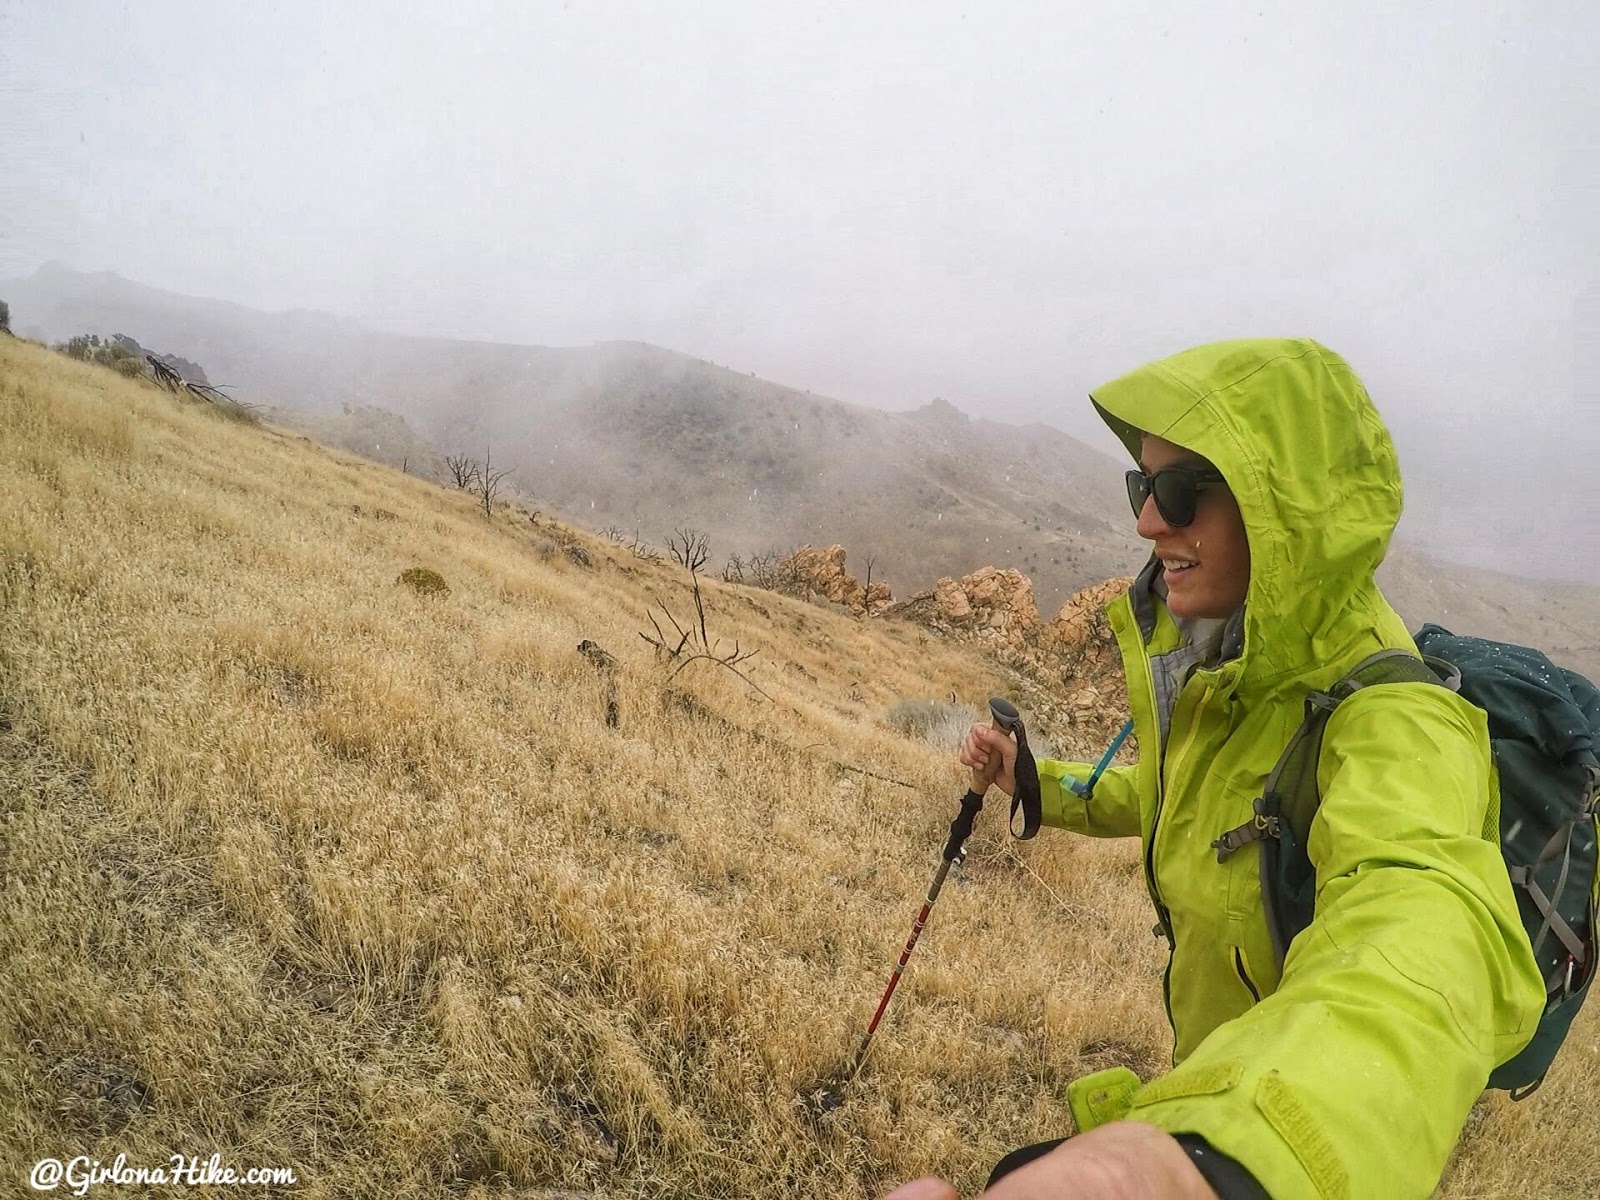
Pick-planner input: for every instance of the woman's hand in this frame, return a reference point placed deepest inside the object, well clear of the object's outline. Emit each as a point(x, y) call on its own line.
point(1125, 1160)
point(992, 757)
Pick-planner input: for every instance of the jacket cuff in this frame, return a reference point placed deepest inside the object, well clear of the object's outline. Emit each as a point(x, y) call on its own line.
point(1226, 1176)
point(1255, 1120)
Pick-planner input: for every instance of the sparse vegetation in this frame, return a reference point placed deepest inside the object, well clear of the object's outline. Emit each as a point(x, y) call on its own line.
point(424, 581)
point(309, 874)
point(940, 724)
point(121, 354)
point(770, 570)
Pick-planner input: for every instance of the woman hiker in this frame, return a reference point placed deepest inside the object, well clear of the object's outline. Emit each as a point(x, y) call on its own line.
point(1269, 489)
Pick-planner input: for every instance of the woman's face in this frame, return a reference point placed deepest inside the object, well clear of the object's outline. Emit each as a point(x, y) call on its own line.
point(1207, 562)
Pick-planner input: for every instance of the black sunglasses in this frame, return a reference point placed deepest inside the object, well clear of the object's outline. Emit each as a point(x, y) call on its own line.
point(1176, 489)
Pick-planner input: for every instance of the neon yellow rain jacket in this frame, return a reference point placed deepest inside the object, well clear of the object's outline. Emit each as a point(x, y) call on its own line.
point(1352, 1075)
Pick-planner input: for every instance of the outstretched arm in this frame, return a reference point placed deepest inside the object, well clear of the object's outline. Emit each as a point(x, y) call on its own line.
point(1413, 981)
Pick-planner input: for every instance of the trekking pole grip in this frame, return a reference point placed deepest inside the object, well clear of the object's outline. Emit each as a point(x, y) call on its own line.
point(1004, 716)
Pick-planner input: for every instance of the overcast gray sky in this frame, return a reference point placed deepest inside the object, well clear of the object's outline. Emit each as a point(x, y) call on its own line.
point(1002, 204)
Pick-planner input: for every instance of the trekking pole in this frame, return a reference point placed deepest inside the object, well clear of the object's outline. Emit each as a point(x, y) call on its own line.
point(1006, 719)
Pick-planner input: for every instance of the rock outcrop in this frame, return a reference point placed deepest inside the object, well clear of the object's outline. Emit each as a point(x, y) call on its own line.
point(817, 571)
point(1080, 630)
point(992, 604)
point(1068, 667)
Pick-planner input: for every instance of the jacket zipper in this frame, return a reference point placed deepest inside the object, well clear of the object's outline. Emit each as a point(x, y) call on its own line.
point(1155, 818)
point(1244, 976)
point(1162, 912)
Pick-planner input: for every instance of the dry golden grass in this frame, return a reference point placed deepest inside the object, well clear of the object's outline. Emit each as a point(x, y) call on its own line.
point(311, 870)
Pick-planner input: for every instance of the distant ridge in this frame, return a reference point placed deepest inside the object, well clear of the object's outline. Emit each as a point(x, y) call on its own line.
point(641, 438)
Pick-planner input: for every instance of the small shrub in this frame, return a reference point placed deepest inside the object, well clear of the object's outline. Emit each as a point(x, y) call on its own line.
point(80, 347)
point(933, 721)
point(130, 368)
point(546, 549)
point(424, 582)
point(944, 726)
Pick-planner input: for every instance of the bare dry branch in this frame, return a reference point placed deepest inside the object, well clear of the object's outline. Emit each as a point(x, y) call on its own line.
point(488, 484)
point(644, 550)
point(695, 643)
point(690, 548)
point(463, 470)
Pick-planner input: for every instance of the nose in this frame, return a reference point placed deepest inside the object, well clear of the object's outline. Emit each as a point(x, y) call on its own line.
point(1152, 525)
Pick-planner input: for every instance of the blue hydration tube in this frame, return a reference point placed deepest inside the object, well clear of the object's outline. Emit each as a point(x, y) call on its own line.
point(1078, 787)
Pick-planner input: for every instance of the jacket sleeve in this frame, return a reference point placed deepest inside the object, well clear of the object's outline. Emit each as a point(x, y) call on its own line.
point(1355, 1077)
point(1113, 810)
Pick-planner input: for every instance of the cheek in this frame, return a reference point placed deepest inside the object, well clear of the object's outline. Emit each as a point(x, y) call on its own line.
point(1239, 562)
point(1230, 548)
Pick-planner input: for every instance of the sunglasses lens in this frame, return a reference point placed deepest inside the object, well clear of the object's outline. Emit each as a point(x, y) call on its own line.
point(1138, 490)
point(1175, 496)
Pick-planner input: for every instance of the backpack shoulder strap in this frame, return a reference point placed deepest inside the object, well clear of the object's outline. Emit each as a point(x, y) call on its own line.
point(1398, 666)
point(1287, 778)
point(1289, 800)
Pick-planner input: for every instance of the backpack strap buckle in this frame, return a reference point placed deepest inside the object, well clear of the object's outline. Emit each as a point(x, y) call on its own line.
point(1265, 824)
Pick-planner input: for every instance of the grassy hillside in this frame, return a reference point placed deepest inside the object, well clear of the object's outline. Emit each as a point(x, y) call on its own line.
point(311, 870)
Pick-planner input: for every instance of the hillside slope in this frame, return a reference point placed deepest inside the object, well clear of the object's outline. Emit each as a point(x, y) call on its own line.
point(322, 873)
point(312, 870)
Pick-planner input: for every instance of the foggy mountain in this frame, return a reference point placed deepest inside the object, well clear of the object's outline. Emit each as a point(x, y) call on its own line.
point(648, 440)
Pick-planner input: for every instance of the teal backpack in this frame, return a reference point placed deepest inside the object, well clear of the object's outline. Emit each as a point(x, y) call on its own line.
point(1544, 730)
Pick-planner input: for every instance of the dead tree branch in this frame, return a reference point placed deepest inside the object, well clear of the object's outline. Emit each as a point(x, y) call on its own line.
point(165, 374)
point(488, 485)
point(463, 470)
point(694, 642)
point(690, 548)
point(644, 550)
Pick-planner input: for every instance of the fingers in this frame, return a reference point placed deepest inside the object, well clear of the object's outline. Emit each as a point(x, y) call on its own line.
point(984, 741)
point(973, 752)
point(980, 742)
point(1125, 1160)
point(991, 756)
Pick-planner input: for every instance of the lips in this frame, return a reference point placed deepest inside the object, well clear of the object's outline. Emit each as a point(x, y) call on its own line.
point(1178, 568)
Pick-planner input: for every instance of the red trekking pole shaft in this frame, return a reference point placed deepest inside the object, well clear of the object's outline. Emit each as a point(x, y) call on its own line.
point(1005, 718)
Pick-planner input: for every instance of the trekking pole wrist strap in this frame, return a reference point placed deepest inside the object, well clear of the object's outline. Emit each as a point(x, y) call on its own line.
point(1025, 787)
point(1025, 799)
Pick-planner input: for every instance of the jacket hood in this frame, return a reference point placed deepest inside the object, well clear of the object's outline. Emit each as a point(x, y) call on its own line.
point(1292, 429)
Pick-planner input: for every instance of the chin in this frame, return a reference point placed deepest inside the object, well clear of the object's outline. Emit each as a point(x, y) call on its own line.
point(1198, 607)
